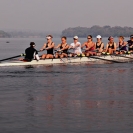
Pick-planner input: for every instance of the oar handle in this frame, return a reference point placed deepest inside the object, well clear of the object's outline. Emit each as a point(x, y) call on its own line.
point(41, 50)
point(83, 48)
point(58, 50)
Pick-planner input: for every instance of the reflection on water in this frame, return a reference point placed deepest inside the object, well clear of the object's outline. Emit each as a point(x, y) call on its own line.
point(69, 98)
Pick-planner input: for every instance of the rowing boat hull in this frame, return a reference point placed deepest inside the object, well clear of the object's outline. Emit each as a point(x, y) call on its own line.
point(94, 59)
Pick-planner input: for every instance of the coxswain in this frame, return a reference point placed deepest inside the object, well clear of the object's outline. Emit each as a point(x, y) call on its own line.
point(49, 46)
point(63, 52)
point(31, 53)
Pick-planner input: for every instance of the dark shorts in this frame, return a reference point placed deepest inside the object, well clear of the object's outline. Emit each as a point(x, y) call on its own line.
point(130, 49)
point(26, 59)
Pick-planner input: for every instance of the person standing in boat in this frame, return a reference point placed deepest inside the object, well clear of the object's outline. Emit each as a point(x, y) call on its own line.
point(130, 44)
point(99, 45)
point(121, 45)
point(111, 46)
point(49, 46)
point(90, 46)
point(31, 53)
point(76, 46)
point(63, 52)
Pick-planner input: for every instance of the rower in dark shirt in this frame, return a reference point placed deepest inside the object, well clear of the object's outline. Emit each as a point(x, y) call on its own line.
point(63, 48)
point(31, 52)
point(111, 46)
point(130, 43)
point(121, 45)
point(49, 46)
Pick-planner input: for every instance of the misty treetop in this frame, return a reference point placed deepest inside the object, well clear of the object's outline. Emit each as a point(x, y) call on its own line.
point(4, 34)
point(104, 31)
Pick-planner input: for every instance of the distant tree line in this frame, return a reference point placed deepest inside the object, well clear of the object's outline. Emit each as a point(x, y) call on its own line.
point(31, 34)
point(26, 34)
point(104, 31)
point(4, 34)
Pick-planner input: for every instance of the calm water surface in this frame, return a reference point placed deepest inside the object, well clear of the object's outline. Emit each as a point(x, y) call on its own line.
point(94, 98)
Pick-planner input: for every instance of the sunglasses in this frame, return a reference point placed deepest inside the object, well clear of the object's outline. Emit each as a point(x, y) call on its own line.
point(88, 38)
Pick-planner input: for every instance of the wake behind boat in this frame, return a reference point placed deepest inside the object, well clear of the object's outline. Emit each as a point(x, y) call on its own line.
point(91, 59)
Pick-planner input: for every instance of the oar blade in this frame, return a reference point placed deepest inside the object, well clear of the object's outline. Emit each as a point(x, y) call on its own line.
point(104, 59)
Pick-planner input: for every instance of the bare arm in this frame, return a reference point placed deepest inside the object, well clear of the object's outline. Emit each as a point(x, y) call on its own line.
point(117, 46)
point(107, 47)
point(76, 45)
point(70, 47)
point(52, 46)
point(83, 45)
point(66, 47)
point(57, 46)
point(44, 46)
point(94, 45)
point(102, 47)
point(91, 47)
point(114, 47)
point(125, 43)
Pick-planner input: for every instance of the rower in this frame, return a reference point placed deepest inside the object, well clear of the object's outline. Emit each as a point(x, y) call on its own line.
point(49, 46)
point(90, 46)
point(31, 53)
point(111, 46)
point(63, 48)
point(121, 45)
point(130, 43)
point(76, 46)
point(99, 45)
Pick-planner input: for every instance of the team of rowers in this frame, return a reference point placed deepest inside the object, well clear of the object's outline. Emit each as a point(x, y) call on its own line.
point(89, 47)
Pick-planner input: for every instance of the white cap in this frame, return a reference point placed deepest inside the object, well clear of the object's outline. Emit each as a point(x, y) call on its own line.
point(98, 36)
point(75, 37)
point(48, 37)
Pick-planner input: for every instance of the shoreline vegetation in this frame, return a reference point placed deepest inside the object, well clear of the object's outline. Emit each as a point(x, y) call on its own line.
point(95, 30)
point(81, 32)
point(26, 34)
point(4, 34)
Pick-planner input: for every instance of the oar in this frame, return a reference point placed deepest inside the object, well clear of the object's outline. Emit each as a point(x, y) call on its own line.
point(124, 56)
point(118, 56)
point(122, 47)
point(95, 57)
point(60, 57)
point(12, 57)
point(124, 51)
point(68, 58)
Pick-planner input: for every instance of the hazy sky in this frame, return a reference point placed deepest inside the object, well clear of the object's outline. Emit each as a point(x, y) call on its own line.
point(56, 15)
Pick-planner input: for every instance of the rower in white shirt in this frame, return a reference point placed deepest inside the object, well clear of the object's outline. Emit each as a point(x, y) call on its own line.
point(76, 46)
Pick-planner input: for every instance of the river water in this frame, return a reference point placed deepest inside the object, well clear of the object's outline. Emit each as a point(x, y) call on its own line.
point(94, 98)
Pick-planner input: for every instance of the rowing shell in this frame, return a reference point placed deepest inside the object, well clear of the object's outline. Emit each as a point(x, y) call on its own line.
point(92, 59)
